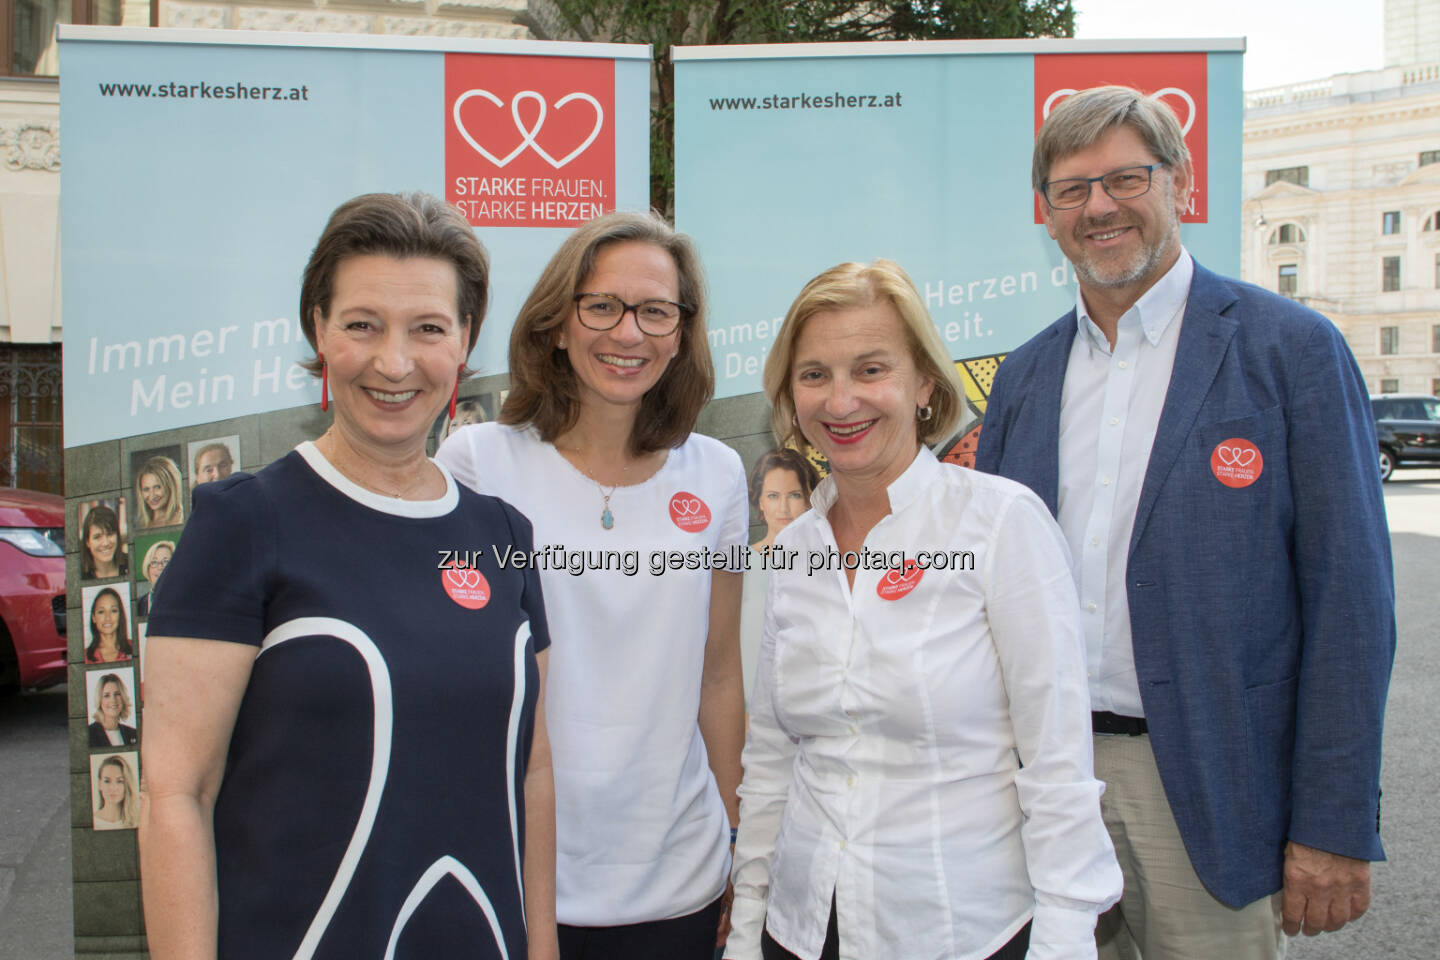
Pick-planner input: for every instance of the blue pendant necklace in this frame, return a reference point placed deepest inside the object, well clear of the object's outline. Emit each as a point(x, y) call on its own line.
point(607, 519)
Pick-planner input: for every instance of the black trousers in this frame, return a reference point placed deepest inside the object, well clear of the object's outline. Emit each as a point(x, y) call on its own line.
point(770, 950)
point(691, 937)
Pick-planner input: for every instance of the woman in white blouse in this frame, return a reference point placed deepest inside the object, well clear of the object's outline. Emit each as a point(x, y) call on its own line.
point(918, 780)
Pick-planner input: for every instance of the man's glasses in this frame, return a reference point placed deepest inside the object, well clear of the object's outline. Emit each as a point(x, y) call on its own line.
point(1127, 183)
point(602, 311)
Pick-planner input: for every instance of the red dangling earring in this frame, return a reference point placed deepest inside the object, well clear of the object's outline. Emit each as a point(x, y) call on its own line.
point(324, 384)
point(455, 394)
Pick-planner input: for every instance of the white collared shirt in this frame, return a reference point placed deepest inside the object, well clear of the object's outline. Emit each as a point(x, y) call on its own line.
point(1109, 410)
point(884, 757)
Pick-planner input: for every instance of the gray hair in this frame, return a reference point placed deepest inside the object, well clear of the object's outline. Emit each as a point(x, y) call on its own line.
point(1081, 119)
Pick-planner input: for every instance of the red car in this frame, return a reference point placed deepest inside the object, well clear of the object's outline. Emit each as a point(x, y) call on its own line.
point(32, 589)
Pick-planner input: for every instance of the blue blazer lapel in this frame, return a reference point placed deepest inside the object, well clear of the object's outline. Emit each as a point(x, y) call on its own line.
point(1205, 336)
point(1045, 387)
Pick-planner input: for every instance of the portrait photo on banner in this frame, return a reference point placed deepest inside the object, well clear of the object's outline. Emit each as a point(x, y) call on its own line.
point(212, 459)
point(104, 530)
point(115, 790)
point(111, 708)
point(152, 553)
point(106, 633)
point(156, 480)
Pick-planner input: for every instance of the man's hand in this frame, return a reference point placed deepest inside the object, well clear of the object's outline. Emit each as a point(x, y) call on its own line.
point(1323, 891)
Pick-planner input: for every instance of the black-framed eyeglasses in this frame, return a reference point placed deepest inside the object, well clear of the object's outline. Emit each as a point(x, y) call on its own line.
point(602, 311)
point(1127, 183)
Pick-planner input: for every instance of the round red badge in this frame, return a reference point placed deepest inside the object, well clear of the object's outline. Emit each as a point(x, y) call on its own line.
point(466, 587)
point(689, 512)
point(1237, 462)
point(894, 584)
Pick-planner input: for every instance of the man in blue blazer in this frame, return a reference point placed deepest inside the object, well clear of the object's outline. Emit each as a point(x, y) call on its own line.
point(1209, 451)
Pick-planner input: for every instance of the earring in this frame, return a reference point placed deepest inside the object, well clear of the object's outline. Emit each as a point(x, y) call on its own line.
point(324, 383)
point(560, 343)
point(794, 420)
point(455, 394)
point(924, 413)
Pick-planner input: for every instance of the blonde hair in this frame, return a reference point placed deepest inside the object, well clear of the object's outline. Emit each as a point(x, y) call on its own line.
point(164, 470)
point(124, 697)
point(129, 803)
point(847, 286)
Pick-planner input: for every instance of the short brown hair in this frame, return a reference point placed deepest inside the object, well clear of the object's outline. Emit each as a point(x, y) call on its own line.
point(850, 285)
point(399, 225)
point(782, 458)
point(544, 391)
point(1081, 119)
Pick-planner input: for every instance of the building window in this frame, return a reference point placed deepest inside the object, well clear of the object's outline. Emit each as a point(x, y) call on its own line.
point(1390, 274)
point(1437, 271)
point(1390, 222)
point(1389, 340)
point(30, 446)
point(1288, 283)
point(1432, 221)
point(27, 29)
point(1287, 233)
point(1435, 387)
point(1300, 176)
point(1428, 157)
point(1435, 338)
point(1390, 385)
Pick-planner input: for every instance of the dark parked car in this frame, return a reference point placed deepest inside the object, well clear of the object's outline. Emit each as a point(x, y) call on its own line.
point(1408, 428)
point(32, 589)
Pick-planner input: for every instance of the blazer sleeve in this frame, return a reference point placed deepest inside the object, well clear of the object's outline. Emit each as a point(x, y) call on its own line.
point(991, 448)
point(1347, 601)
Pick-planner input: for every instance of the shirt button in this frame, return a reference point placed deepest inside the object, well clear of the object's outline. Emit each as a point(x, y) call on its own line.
point(849, 781)
point(1123, 364)
point(1114, 420)
point(853, 730)
point(1094, 541)
point(842, 844)
point(1105, 481)
point(1091, 607)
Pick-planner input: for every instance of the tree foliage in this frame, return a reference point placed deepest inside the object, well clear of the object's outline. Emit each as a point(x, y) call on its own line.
point(667, 23)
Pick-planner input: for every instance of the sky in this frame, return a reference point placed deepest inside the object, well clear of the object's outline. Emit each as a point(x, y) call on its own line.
point(1287, 40)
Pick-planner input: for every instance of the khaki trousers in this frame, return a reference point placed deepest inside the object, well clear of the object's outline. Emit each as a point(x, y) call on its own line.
point(1166, 913)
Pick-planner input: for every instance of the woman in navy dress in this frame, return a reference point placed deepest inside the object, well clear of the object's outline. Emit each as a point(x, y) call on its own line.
point(344, 751)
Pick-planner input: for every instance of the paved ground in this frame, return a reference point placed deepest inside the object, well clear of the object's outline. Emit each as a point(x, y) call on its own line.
point(35, 905)
point(1404, 923)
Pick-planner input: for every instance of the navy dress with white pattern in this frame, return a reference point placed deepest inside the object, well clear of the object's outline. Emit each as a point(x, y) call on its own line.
point(372, 804)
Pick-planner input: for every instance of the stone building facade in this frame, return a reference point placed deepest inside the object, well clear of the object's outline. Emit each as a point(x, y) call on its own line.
point(1342, 202)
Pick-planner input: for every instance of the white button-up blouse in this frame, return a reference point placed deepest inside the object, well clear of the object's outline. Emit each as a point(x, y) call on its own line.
point(920, 746)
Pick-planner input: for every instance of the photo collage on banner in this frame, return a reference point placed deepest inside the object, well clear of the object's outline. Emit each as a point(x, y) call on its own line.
point(124, 550)
point(183, 364)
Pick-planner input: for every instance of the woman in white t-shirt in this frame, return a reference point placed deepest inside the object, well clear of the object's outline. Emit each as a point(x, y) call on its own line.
point(640, 530)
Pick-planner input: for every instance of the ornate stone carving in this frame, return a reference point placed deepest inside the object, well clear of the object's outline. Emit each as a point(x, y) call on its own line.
point(193, 15)
point(1391, 173)
point(422, 27)
point(30, 145)
point(307, 21)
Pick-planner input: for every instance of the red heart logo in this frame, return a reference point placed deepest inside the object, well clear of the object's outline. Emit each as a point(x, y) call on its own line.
point(1237, 463)
point(689, 512)
point(466, 587)
point(897, 582)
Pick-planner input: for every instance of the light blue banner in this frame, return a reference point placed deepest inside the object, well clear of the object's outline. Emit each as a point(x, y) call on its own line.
point(788, 163)
point(198, 177)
